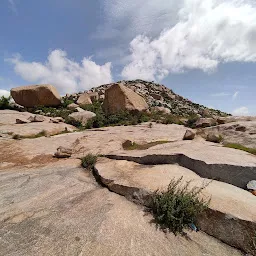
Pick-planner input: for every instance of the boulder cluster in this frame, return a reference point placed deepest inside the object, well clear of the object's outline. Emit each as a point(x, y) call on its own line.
point(140, 95)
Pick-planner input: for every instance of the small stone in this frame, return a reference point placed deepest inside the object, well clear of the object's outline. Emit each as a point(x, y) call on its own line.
point(189, 135)
point(251, 185)
point(38, 118)
point(212, 137)
point(241, 128)
point(22, 121)
point(63, 152)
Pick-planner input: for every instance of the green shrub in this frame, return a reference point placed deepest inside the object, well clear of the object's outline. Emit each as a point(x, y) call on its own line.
point(192, 120)
point(89, 161)
point(5, 102)
point(241, 147)
point(66, 102)
point(178, 207)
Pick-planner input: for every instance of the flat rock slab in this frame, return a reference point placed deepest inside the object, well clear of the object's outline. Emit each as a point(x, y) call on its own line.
point(232, 132)
point(8, 124)
point(224, 197)
point(209, 160)
point(231, 214)
point(61, 210)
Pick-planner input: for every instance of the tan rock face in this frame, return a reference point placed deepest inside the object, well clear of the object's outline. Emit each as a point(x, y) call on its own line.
point(94, 96)
point(118, 98)
point(82, 117)
point(189, 135)
point(72, 106)
point(84, 99)
point(36, 95)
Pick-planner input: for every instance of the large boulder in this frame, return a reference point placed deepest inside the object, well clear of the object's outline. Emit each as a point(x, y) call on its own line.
point(36, 95)
point(84, 99)
point(82, 117)
point(118, 97)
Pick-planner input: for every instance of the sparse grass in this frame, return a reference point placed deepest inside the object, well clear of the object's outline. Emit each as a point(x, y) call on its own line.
point(178, 207)
point(89, 161)
point(128, 145)
point(241, 147)
point(34, 136)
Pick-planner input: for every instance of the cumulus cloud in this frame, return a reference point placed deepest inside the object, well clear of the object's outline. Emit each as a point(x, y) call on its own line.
point(67, 75)
point(131, 18)
point(4, 93)
point(205, 34)
point(242, 111)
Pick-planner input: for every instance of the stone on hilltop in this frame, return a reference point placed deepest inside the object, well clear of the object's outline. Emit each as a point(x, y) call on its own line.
point(118, 97)
point(84, 99)
point(36, 95)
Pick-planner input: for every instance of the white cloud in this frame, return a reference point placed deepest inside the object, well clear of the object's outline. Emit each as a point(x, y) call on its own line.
point(4, 93)
point(204, 34)
point(235, 95)
point(12, 6)
point(242, 111)
point(68, 76)
point(131, 18)
point(220, 94)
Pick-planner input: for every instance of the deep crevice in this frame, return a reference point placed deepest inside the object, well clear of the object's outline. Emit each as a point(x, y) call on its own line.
point(235, 175)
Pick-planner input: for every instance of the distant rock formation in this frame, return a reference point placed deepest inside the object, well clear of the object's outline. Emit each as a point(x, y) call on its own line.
point(36, 95)
point(119, 97)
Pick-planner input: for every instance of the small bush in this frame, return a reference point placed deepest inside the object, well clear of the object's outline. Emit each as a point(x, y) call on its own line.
point(89, 161)
point(178, 207)
point(5, 102)
point(241, 147)
point(16, 137)
point(192, 120)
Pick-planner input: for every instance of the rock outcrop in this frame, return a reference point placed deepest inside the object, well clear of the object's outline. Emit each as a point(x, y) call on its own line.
point(82, 117)
point(36, 95)
point(189, 135)
point(84, 99)
point(118, 97)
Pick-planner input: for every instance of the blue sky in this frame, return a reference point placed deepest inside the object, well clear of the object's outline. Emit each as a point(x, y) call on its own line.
point(203, 50)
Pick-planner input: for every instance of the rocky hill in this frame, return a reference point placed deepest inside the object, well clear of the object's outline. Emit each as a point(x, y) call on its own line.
point(157, 95)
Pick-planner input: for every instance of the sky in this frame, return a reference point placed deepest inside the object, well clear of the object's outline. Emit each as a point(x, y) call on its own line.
point(202, 50)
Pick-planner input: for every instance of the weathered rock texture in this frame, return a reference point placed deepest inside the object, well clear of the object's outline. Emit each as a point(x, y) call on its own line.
point(158, 95)
point(82, 117)
point(118, 97)
point(84, 99)
point(230, 216)
point(36, 95)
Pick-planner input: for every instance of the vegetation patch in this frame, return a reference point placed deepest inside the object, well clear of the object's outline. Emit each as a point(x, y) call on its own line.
point(89, 161)
point(241, 147)
point(129, 145)
point(179, 207)
point(43, 133)
point(5, 102)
